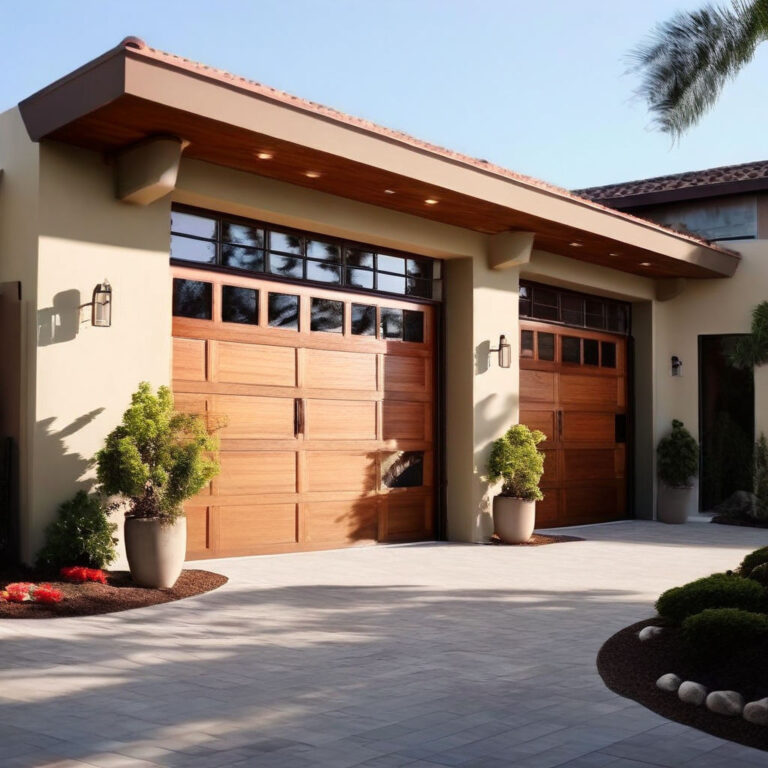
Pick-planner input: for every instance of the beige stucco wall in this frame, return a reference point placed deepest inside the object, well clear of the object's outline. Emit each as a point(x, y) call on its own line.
point(19, 207)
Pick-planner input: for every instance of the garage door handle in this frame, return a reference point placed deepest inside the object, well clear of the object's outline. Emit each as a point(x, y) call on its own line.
point(560, 425)
point(298, 417)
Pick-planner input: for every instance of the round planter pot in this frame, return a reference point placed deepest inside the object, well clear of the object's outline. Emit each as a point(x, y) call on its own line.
point(673, 504)
point(155, 550)
point(513, 519)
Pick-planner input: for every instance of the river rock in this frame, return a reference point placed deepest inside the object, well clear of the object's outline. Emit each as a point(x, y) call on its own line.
point(669, 682)
point(692, 693)
point(648, 633)
point(725, 703)
point(757, 712)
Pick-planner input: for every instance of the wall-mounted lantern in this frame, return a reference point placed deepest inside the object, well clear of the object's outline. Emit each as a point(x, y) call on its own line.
point(101, 306)
point(677, 366)
point(505, 352)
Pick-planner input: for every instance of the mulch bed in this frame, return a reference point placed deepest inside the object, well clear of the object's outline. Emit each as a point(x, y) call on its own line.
point(631, 668)
point(89, 599)
point(537, 540)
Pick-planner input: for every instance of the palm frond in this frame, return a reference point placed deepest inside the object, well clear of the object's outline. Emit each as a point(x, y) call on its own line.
point(690, 57)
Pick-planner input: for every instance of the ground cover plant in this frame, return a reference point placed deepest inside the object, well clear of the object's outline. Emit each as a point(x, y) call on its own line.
point(714, 632)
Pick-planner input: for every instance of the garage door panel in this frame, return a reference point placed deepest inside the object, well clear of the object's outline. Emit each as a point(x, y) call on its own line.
point(406, 374)
point(588, 427)
point(584, 464)
point(189, 359)
point(337, 471)
point(241, 363)
point(340, 420)
point(256, 472)
point(408, 515)
point(245, 528)
point(537, 386)
point(198, 528)
point(406, 421)
point(598, 390)
point(342, 521)
point(326, 369)
point(541, 420)
point(254, 418)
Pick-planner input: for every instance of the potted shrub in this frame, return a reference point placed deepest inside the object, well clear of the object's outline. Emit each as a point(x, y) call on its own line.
point(677, 464)
point(155, 459)
point(519, 464)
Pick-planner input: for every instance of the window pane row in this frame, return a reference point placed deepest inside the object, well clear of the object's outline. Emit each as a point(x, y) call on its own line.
point(573, 349)
point(216, 240)
point(194, 298)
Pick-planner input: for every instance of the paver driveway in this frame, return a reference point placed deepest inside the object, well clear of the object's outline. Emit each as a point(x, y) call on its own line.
point(419, 655)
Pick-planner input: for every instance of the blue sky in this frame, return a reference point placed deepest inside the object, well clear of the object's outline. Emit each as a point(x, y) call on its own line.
point(539, 87)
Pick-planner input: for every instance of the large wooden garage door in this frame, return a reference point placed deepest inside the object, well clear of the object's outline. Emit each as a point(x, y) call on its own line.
point(573, 387)
point(329, 406)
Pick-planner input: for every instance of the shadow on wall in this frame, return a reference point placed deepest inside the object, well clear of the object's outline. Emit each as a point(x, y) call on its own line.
point(482, 357)
point(61, 322)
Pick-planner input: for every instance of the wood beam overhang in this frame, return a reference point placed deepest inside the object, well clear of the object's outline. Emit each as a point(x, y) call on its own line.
point(133, 93)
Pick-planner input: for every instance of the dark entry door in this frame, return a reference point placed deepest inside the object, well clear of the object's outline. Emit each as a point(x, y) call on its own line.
point(726, 421)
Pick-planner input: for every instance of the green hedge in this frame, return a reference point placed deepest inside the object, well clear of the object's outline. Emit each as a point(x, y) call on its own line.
point(717, 591)
point(717, 633)
point(753, 560)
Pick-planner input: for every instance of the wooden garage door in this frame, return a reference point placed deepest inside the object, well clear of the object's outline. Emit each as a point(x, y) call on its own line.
point(573, 387)
point(329, 406)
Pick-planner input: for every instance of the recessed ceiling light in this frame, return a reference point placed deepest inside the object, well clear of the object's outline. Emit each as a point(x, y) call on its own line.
point(313, 174)
point(264, 155)
point(431, 201)
point(576, 244)
point(614, 253)
point(645, 263)
point(389, 191)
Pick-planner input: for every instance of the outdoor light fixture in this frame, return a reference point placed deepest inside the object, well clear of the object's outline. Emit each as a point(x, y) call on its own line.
point(101, 306)
point(431, 201)
point(264, 155)
point(312, 174)
point(505, 352)
point(677, 366)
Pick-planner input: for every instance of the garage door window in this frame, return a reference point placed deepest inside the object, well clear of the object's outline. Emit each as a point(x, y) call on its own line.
point(239, 305)
point(363, 320)
point(283, 311)
point(327, 315)
point(192, 298)
point(402, 469)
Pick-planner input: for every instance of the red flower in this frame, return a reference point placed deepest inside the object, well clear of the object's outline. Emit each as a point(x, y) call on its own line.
point(47, 594)
point(95, 574)
point(79, 574)
point(19, 592)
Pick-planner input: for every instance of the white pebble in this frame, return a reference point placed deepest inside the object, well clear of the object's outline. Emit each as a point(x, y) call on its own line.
point(669, 682)
point(725, 703)
point(757, 712)
point(648, 633)
point(692, 693)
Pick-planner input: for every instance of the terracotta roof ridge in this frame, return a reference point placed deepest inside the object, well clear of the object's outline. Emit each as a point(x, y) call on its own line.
point(136, 45)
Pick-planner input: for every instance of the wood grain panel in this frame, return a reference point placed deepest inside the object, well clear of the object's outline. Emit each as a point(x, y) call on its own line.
point(536, 386)
point(337, 471)
point(405, 374)
point(548, 509)
point(197, 528)
point(240, 363)
point(245, 528)
point(407, 514)
point(340, 420)
point(256, 472)
point(250, 418)
point(405, 421)
point(595, 390)
point(591, 504)
point(339, 370)
point(589, 464)
point(342, 521)
point(189, 359)
point(541, 420)
point(589, 427)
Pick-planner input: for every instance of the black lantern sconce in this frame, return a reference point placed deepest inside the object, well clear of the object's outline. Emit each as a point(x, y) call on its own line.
point(505, 352)
point(101, 306)
point(677, 366)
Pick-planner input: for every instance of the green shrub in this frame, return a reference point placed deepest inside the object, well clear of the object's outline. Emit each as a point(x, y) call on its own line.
point(718, 633)
point(760, 478)
point(517, 461)
point(760, 574)
point(678, 457)
point(82, 535)
point(157, 457)
point(719, 590)
point(752, 560)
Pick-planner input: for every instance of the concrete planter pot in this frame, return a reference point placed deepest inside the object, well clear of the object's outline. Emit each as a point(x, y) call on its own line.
point(155, 550)
point(673, 504)
point(513, 519)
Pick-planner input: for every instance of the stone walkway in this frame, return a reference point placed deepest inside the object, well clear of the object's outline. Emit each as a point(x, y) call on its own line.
point(421, 656)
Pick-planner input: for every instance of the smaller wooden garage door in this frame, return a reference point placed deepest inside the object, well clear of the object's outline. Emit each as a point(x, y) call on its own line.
point(328, 400)
point(573, 387)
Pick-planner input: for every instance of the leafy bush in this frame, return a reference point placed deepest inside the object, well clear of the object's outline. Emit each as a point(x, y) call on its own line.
point(157, 457)
point(517, 461)
point(752, 560)
point(719, 590)
point(82, 535)
point(678, 457)
point(760, 574)
point(760, 478)
point(752, 350)
point(718, 633)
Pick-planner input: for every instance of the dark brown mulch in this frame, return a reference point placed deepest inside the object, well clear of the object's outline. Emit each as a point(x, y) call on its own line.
point(747, 522)
point(89, 599)
point(631, 669)
point(537, 540)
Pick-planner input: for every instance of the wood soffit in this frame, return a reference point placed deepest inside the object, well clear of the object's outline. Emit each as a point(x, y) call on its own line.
point(108, 119)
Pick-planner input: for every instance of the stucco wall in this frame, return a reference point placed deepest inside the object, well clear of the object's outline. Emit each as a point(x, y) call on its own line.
point(85, 375)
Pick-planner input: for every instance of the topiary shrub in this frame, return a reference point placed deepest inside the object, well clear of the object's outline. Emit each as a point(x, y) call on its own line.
point(157, 457)
point(719, 590)
point(517, 461)
point(717, 633)
point(678, 457)
point(82, 535)
point(752, 560)
point(760, 574)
